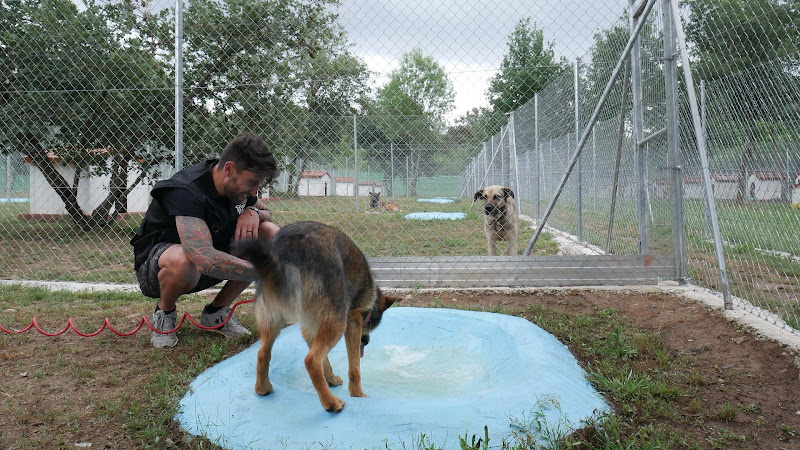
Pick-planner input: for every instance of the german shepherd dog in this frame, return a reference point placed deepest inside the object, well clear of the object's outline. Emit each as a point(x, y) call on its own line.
point(375, 202)
point(314, 274)
point(500, 218)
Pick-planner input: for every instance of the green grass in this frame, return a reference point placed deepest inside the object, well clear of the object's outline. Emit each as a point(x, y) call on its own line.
point(761, 245)
point(57, 250)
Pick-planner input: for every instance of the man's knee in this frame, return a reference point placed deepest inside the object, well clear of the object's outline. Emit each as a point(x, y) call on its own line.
point(267, 229)
point(176, 269)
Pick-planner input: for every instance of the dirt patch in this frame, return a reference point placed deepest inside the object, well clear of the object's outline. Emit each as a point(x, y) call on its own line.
point(58, 392)
point(730, 367)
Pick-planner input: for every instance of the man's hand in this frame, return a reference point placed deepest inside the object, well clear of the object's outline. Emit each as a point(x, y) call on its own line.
point(247, 224)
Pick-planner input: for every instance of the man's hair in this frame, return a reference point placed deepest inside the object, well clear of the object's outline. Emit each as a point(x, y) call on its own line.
point(249, 152)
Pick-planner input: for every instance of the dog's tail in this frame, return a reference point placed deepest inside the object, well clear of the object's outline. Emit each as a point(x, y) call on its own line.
point(277, 282)
point(277, 279)
point(260, 254)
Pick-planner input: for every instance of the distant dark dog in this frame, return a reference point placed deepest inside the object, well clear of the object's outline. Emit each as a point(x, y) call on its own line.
point(375, 202)
point(314, 274)
point(500, 218)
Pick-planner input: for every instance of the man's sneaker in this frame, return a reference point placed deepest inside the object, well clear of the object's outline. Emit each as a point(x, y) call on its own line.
point(164, 322)
point(232, 328)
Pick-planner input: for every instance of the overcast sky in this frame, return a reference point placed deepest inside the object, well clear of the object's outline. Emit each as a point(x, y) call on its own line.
point(468, 37)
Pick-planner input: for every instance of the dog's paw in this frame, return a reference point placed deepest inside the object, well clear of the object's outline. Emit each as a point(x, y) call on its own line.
point(264, 389)
point(355, 389)
point(335, 405)
point(334, 380)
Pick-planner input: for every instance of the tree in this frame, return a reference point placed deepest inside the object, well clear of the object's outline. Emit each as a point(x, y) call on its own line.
point(529, 66)
point(731, 35)
point(747, 51)
point(79, 87)
point(75, 80)
point(413, 105)
point(278, 68)
point(605, 52)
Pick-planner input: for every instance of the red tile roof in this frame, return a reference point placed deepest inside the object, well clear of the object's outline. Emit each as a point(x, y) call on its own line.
point(313, 174)
point(769, 175)
point(726, 177)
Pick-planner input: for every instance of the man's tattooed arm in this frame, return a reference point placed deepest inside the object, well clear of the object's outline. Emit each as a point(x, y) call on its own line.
point(196, 240)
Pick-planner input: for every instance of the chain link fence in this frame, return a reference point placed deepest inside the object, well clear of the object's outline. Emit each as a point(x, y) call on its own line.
point(750, 123)
point(418, 104)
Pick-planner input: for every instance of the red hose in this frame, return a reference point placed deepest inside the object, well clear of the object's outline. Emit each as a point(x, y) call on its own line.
point(107, 324)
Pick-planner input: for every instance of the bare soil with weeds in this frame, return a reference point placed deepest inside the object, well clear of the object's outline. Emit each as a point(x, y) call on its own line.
point(723, 387)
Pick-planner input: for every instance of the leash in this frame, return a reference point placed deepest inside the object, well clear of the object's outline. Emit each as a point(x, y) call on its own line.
point(107, 324)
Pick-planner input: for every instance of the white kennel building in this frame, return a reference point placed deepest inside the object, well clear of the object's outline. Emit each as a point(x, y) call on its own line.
point(92, 189)
point(367, 186)
point(660, 188)
point(693, 187)
point(345, 186)
point(726, 185)
point(315, 183)
point(765, 185)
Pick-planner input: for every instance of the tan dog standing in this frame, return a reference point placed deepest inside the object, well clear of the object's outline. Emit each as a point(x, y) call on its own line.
point(500, 218)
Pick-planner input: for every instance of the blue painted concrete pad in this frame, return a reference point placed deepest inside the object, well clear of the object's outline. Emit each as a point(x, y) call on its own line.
point(435, 216)
point(445, 373)
point(435, 200)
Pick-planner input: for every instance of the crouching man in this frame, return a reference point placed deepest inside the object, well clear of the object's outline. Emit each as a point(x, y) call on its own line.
point(182, 244)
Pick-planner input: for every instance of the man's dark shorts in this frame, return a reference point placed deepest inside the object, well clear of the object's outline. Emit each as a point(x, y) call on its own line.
point(148, 273)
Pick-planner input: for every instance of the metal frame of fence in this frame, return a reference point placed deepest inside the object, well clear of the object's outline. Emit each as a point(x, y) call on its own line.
point(683, 112)
point(656, 170)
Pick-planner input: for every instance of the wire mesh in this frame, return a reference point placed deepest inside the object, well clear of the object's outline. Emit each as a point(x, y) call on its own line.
point(421, 102)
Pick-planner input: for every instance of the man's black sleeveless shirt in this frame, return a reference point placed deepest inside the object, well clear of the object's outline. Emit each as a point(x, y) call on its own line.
point(190, 192)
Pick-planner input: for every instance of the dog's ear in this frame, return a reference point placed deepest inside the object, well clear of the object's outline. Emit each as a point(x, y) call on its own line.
point(479, 194)
point(509, 192)
point(387, 301)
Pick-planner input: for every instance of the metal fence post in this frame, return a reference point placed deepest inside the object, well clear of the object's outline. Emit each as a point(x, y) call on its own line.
point(701, 146)
point(620, 142)
point(391, 169)
point(512, 151)
point(538, 151)
point(355, 160)
point(577, 142)
point(673, 147)
point(638, 135)
point(489, 164)
point(504, 165)
point(550, 147)
point(594, 167)
point(178, 85)
point(600, 103)
point(703, 125)
point(408, 180)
